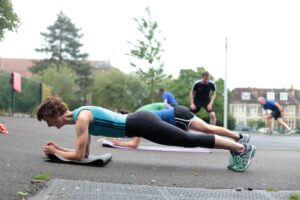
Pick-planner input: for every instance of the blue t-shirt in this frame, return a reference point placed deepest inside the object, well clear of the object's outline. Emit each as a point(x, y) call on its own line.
point(166, 115)
point(270, 105)
point(170, 98)
point(105, 122)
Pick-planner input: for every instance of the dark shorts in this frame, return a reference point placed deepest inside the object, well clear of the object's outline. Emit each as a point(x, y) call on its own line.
point(276, 114)
point(204, 104)
point(183, 117)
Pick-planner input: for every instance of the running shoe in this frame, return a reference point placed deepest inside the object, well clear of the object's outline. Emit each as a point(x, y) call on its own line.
point(290, 132)
point(240, 161)
point(245, 138)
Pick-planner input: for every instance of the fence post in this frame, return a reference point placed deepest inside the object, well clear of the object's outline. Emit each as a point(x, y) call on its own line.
point(13, 101)
point(41, 92)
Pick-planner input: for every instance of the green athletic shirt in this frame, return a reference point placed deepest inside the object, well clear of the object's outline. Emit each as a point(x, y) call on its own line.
point(105, 122)
point(153, 106)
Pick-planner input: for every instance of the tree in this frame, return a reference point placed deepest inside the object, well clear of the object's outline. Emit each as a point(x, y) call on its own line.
point(256, 123)
point(9, 20)
point(62, 43)
point(115, 90)
point(147, 51)
point(61, 79)
point(84, 80)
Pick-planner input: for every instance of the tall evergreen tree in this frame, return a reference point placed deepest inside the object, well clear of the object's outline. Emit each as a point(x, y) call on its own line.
point(147, 51)
point(62, 44)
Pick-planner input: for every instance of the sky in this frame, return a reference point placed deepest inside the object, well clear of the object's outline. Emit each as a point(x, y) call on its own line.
point(263, 35)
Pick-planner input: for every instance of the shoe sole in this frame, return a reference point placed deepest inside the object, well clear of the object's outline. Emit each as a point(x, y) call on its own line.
point(252, 153)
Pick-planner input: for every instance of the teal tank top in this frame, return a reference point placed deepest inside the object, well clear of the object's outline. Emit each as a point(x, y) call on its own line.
point(105, 122)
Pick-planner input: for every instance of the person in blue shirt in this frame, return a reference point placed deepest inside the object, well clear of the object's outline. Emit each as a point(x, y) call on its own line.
point(276, 113)
point(98, 121)
point(168, 97)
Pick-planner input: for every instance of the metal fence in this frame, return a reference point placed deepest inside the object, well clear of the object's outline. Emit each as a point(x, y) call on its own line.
point(24, 102)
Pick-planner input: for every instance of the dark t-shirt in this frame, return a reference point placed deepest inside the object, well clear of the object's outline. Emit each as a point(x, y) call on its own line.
point(202, 91)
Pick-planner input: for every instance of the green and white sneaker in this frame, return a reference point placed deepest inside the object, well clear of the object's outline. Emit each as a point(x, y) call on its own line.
point(245, 138)
point(239, 162)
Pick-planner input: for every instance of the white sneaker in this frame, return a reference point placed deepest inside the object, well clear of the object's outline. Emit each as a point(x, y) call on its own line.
point(290, 132)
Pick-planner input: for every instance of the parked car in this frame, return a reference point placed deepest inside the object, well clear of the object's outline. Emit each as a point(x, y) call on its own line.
point(263, 130)
point(242, 127)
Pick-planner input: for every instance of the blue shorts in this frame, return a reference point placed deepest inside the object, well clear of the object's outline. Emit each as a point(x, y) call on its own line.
point(276, 114)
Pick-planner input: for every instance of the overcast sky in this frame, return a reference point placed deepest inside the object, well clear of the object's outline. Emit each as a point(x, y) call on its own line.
point(263, 36)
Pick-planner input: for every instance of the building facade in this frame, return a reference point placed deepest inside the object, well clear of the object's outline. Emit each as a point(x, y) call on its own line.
point(244, 105)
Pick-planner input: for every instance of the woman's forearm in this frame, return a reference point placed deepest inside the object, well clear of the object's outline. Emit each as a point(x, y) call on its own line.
point(70, 155)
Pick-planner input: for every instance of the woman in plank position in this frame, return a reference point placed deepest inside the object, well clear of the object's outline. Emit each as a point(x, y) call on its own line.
point(91, 120)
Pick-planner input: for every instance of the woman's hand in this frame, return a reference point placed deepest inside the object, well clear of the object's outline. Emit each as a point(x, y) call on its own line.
point(49, 149)
point(53, 144)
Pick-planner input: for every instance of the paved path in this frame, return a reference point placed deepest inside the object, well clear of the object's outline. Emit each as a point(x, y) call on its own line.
point(276, 164)
point(59, 189)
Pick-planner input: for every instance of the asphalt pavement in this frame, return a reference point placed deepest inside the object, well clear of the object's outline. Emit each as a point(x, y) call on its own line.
point(275, 165)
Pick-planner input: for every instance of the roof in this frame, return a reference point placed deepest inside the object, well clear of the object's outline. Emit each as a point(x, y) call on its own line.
point(18, 65)
point(293, 95)
point(21, 65)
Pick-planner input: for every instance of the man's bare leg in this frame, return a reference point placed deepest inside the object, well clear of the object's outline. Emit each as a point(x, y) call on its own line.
point(212, 117)
point(269, 122)
point(283, 124)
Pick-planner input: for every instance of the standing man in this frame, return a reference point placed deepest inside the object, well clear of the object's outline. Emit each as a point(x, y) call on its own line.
point(168, 97)
point(276, 112)
point(203, 94)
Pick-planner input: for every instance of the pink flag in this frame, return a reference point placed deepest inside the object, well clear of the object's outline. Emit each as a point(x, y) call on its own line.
point(16, 82)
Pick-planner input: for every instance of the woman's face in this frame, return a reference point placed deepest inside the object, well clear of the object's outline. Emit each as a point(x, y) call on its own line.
point(58, 122)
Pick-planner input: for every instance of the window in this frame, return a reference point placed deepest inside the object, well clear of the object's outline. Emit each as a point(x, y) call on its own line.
point(253, 110)
point(241, 108)
point(289, 109)
point(270, 95)
point(246, 96)
point(283, 96)
point(290, 122)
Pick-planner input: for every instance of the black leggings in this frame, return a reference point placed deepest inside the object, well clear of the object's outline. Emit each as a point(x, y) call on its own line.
point(147, 125)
